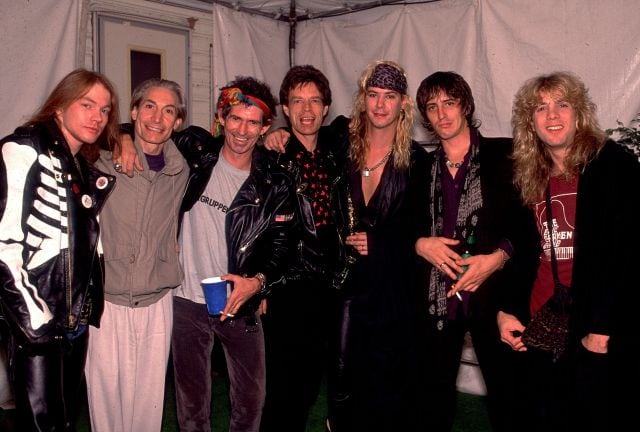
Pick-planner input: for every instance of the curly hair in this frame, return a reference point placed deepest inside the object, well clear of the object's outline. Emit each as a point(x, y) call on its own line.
point(454, 86)
point(252, 87)
point(300, 75)
point(532, 162)
point(358, 128)
point(72, 87)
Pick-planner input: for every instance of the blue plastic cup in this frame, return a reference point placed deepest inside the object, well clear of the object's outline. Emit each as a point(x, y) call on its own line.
point(215, 294)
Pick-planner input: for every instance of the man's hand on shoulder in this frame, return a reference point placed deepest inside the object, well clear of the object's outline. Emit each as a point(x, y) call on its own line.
point(277, 140)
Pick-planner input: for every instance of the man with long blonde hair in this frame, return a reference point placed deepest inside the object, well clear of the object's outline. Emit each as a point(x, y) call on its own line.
point(588, 188)
point(365, 125)
point(377, 382)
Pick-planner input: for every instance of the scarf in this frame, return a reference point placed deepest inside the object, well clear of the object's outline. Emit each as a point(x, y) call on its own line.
point(466, 221)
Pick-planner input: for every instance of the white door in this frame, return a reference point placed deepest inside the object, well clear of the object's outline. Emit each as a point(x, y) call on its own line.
point(129, 51)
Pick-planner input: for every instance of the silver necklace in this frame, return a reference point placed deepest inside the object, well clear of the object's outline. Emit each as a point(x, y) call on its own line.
point(366, 172)
point(453, 164)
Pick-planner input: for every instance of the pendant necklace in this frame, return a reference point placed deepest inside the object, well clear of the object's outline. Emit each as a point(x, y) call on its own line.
point(453, 164)
point(366, 172)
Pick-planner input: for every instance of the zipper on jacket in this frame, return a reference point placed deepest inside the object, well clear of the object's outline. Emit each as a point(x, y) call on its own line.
point(70, 317)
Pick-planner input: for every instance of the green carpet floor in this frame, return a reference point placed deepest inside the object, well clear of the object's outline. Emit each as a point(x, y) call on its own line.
point(471, 416)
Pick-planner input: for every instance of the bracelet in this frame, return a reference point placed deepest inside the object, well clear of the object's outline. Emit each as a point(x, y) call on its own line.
point(504, 255)
point(263, 281)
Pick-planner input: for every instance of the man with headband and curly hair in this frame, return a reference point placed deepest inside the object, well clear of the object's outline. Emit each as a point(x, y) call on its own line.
point(593, 188)
point(236, 214)
point(238, 209)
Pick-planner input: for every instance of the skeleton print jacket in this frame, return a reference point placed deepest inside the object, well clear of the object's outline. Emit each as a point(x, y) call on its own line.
point(50, 273)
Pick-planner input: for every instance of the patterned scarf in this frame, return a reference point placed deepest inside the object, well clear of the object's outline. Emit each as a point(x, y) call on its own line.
point(467, 219)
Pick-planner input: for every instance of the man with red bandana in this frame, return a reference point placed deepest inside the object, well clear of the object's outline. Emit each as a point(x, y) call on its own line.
point(238, 212)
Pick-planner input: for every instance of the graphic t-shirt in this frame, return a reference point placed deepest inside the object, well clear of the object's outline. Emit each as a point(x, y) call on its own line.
point(563, 211)
point(203, 243)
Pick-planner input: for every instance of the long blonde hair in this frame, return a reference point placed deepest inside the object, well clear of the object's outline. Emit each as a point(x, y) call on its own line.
point(532, 163)
point(358, 129)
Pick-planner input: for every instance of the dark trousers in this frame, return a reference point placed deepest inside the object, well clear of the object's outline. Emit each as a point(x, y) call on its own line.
point(296, 329)
point(573, 393)
point(443, 351)
point(544, 392)
point(47, 382)
point(192, 341)
point(376, 379)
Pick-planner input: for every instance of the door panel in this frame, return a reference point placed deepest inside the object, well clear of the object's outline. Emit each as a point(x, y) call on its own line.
point(129, 51)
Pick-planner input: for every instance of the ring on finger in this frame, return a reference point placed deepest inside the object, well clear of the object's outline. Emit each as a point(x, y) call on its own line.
point(443, 265)
point(117, 167)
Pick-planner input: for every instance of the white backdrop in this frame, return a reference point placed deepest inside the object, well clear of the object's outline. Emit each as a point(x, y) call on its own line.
point(495, 44)
point(38, 41)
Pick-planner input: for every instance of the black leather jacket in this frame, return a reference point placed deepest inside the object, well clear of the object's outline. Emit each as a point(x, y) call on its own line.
point(50, 273)
point(317, 255)
point(261, 216)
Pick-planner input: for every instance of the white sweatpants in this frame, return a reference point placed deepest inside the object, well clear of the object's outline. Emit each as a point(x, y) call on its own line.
point(126, 367)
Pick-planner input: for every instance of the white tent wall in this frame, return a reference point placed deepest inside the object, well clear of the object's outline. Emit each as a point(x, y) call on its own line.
point(495, 44)
point(248, 45)
point(43, 40)
point(38, 46)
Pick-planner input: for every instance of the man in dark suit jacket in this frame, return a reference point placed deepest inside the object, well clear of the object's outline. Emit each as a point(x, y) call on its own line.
point(474, 210)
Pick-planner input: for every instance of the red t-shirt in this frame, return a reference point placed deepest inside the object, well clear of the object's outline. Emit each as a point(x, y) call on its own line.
point(563, 202)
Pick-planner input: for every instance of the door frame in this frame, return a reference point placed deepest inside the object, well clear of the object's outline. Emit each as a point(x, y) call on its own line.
point(100, 20)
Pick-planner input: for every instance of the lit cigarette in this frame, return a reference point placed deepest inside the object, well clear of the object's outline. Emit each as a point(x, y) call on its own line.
point(458, 295)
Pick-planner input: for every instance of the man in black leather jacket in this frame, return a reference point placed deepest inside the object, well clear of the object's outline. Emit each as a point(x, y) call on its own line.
point(50, 273)
point(297, 339)
point(238, 214)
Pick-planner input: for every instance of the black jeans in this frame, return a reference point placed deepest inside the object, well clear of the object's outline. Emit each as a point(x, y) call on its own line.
point(296, 328)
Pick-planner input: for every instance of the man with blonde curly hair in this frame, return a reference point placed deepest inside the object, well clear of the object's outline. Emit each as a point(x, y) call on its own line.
point(584, 192)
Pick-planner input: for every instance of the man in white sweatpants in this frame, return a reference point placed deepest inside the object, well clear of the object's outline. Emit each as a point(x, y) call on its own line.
point(128, 355)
